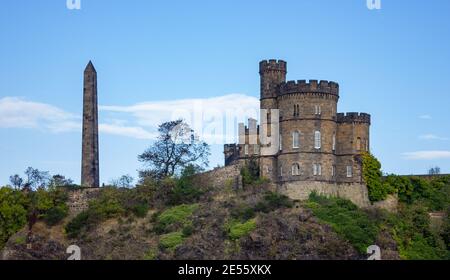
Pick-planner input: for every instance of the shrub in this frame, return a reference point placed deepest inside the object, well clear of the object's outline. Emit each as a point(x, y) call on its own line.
point(13, 213)
point(188, 230)
point(371, 172)
point(250, 173)
point(273, 201)
point(171, 240)
point(140, 210)
point(75, 226)
point(346, 219)
point(236, 229)
point(56, 214)
point(176, 214)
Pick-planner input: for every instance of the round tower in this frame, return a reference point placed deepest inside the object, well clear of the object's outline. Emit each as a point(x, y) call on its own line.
point(273, 74)
point(308, 131)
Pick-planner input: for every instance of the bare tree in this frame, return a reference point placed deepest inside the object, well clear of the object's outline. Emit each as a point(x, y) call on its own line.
point(16, 181)
point(60, 181)
point(434, 170)
point(36, 178)
point(176, 147)
point(125, 181)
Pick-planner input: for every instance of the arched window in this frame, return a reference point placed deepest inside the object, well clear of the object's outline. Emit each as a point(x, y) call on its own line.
point(317, 140)
point(295, 169)
point(358, 144)
point(295, 140)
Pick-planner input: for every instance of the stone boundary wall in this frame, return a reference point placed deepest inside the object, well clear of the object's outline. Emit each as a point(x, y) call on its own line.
point(78, 199)
point(222, 176)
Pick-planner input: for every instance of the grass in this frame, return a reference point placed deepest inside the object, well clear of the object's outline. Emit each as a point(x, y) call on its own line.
point(171, 240)
point(177, 214)
point(236, 229)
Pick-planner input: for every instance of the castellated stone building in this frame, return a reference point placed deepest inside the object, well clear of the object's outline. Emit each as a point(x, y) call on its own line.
point(316, 143)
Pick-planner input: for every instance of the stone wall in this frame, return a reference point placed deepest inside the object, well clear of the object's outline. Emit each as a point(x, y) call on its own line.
point(78, 199)
point(220, 177)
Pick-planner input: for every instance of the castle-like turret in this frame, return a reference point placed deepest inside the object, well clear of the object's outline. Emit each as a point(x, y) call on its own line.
point(315, 142)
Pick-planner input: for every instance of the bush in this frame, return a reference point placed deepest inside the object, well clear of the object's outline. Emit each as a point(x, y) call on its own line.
point(346, 219)
point(371, 172)
point(171, 240)
point(76, 225)
point(236, 229)
point(188, 230)
point(273, 201)
point(56, 214)
point(177, 214)
point(13, 213)
point(250, 173)
point(140, 210)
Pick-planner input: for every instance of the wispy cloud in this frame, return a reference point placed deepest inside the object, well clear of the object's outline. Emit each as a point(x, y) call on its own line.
point(213, 119)
point(425, 117)
point(427, 155)
point(17, 112)
point(432, 137)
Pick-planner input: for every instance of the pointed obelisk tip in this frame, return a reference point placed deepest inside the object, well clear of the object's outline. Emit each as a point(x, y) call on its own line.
point(90, 67)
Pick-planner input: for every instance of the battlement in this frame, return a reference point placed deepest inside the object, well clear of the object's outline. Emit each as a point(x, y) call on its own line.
point(272, 65)
point(353, 117)
point(314, 86)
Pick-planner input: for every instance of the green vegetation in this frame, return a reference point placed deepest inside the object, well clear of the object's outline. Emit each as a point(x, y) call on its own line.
point(151, 254)
point(171, 240)
point(13, 213)
point(176, 215)
point(270, 202)
point(410, 227)
point(346, 219)
point(250, 174)
point(236, 229)
point(372, 175)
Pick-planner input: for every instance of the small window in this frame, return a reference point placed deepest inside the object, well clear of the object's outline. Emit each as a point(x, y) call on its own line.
point(358, 144)
point(334, 142)
point(296, 110)
point(246, 149)
point(317, 140)
point(317, 110)
point(256, 149)
point(296, 140)
point(317, 169)
point(367, 145)
point(281, 143)
point(295, 169)
point(349, 171)
point(281, 171)
point(333, 171)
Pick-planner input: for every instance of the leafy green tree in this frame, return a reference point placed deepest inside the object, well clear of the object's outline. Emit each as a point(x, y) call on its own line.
point(13, 213)
point(372, 176)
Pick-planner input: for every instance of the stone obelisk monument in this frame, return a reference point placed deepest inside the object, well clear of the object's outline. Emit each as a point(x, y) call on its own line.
point(89, 161)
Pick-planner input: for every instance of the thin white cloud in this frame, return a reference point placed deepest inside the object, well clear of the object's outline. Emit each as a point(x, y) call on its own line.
point(213, 119)
point(129, 131)
point(19, 113)
point(425, 117)
point(427, 155)
point(432, 137)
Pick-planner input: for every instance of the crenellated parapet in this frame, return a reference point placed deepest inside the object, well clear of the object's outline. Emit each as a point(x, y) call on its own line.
point(272, 65)
point(353, 118)
point(313, 86)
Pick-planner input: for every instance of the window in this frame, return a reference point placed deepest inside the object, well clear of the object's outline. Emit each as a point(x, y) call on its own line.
point(295, 169)
point(296, 140)
point(317, 140)
point(296, 110)
point(367, 145)
point(358, 144)
point(317, 110)
point(281, 171)
point(317, 169)
point(334, 141)
point(256, 149)
point(333, 171)
point(246, 149)
point(281, 143)
point(349, 171)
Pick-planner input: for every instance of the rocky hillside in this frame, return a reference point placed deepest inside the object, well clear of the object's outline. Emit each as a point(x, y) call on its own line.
point(186, 219)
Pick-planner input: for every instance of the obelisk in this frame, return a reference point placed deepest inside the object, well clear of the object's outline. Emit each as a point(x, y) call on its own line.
point(89, 157)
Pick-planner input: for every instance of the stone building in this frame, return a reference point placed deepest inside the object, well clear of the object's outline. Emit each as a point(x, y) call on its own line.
point(316, 144)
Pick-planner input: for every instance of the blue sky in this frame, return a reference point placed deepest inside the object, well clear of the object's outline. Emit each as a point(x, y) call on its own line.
point(156, 56)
